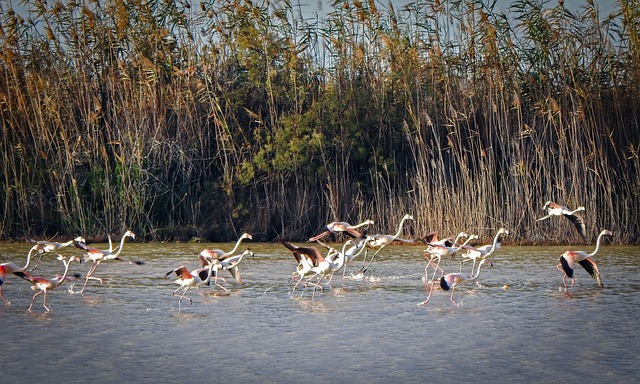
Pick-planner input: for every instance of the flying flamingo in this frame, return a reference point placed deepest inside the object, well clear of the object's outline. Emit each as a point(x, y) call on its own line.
point(7, 268)
point(195, 278)
point(46, 285)
point(341, 226)
point(209, 254)
point(97, 256)
point(569, 258)
point(554, 209)
point(438, 251)
point(451, 281)
point(475, 253)
point(44, 246)
point(380, 241)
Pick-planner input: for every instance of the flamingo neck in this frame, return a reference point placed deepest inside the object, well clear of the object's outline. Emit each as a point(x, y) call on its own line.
point(26, 265)
point(120, 247)
point(64, 275)
point(493, 246)
point(400, 227)
point(597, 244)
point(235, 248)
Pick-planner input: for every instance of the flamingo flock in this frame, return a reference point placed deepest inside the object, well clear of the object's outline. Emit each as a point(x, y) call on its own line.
point(312, 268)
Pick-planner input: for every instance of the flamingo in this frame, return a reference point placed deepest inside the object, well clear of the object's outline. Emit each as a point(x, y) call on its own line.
point(195, 278)
point(438, 251)
point(306, 257)
point(46, 285)
point(475, 253)
point(44, 246)
point(554, 209)
point(326, 266)
point(569, 258)
point(97, 256)
point(341, 226)
point(209, 254)
point(7, 268)
point(450, 281)
point(231, 264)
point(357, 246)
point(380, 241)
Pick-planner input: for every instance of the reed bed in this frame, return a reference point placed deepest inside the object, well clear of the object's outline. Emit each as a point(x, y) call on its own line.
point(209, 119)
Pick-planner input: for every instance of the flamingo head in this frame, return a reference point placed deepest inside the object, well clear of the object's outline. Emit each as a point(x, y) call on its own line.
point(129, 234)
point(247, 236)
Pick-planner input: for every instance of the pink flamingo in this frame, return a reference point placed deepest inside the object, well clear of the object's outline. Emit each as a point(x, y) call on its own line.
point(7, 268)
point(380, 241)
point(97, 256)
point(209, 254)
point(475, 253)
point(438, 251)
point(554, 209)
point(570, 258)
point(44, 246)
point(195, 278)
point(341, 227)
point(45, 285)
point(452, 280)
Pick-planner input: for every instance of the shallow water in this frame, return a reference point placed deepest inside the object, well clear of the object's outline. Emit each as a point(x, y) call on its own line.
point(358, 330)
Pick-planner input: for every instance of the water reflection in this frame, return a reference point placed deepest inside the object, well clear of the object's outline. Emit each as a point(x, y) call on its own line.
point(518, 325)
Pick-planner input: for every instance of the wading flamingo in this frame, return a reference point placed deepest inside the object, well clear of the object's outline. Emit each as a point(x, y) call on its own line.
point(210, 254)
point(475, 253)
point(451, 281)
point(97, 256)
point(46, 285)
point(326, 266)
point(195, 278)
point(44, 246)
point(7, 268)
point(341, 226)
point(230, 264)
point(554, 209)
point(570, 258)
point(438, 251)
point(378, 242)
point(306, 257)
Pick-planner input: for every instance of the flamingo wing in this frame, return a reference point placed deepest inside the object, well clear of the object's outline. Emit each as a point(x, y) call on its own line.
point(592, 269)
point(578, 222)
point(567, 265)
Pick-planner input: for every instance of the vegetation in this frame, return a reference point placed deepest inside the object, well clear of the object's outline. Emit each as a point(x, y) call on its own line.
point(260, 116)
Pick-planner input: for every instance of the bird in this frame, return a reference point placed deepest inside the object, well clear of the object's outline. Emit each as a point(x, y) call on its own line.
point(326, 266)
point(341, 227)
point(306, 257)
point(357, 246)
point(97, 256)
point(209, 254)
point(7, 268)
point(378, 242)
point(481, 252)
point(554, 209)
point(44, 246)
point(569, 258)
point(230, 263)
point(45, 285)
point(195, 278)
point(452, 280)
point(438, 251)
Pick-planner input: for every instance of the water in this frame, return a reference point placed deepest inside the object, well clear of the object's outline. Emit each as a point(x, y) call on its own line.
point(360, 330)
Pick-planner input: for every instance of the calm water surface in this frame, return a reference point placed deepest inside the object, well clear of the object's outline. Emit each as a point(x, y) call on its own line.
point(367, 330)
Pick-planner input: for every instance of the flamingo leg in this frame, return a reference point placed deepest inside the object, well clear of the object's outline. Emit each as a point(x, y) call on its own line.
point(7, 302)
point(33, 299)
point(44, 301)
point(429, 296)
point(182, 297)
point(451, 297)
point(89, 273)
